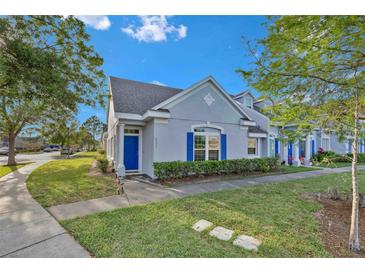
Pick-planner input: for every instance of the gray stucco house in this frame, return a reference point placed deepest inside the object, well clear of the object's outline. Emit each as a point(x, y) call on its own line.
point(150, 123)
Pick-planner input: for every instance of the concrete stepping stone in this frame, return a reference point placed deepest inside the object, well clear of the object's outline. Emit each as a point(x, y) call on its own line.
point(221, 233)
point(201, 225)
point(247, 242)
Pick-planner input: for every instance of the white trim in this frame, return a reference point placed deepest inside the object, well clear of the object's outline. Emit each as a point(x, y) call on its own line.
point(208, 124)
point(182, 95)
point(160, 121)
point(247, 123)
point(147, 115)
point(156, 114)
point(129, 116)
point(258, 144)
point(257, 135)
point(207, 134)
point(244, 94)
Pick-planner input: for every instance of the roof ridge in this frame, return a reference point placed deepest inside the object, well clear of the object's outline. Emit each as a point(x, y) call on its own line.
point(145, 83)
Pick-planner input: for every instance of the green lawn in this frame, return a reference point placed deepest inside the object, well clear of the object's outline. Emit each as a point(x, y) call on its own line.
point(294, 169)
point(7, 169)
point(276, 214)
point(67, 181)
point(337, 164)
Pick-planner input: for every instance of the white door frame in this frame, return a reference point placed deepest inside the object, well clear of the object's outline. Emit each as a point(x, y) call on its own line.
point(139, 147)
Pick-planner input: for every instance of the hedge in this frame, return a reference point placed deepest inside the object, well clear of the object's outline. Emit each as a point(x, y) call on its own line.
point(178, 169)
point(330, 156)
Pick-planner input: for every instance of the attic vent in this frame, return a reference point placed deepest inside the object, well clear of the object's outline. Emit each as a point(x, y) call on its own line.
point(209, 99)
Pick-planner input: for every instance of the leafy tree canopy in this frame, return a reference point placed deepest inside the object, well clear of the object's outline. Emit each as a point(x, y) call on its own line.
point(313, 67)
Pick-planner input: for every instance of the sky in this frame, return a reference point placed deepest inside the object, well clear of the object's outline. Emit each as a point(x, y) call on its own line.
point(175, 51)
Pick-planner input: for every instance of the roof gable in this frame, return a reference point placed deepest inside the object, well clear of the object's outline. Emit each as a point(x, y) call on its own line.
point(137, 97)
point(187, 92)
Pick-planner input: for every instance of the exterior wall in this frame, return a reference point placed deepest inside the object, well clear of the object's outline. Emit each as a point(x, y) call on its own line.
point(112, 132)
point(337, 146)
point(171, 144)
point(148, 138)
point(171, 137)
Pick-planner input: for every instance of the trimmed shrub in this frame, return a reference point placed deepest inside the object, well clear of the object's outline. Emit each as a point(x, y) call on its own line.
point(103, 164)
point(330, 156)
point(101, 151)
point(178, 169)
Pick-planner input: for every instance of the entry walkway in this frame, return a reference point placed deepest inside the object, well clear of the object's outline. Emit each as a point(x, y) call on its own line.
point(138, 193)
point(26, 228)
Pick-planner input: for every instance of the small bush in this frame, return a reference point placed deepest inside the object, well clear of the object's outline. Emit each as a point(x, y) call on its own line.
point(178, 169)
point(103, 164)
point(101, 151)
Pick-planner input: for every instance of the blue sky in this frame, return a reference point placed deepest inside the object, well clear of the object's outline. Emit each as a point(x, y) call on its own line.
point(175, 51)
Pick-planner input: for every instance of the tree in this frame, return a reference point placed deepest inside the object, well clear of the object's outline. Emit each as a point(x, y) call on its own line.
point(85, 139)
point(314, 66)
point(62, 130)
point(95, 127)
point(47, 66)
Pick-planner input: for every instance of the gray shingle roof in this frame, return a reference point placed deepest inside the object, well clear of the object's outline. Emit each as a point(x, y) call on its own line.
point(137, 97)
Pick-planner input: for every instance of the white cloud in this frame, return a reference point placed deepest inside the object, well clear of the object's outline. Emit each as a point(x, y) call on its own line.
point(155, 29)
point(99, 22)
point(157, 83)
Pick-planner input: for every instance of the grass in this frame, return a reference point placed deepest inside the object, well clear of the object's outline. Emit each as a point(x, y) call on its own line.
point(67, 181)
point(5, 169)
point(294, 169)
point(337, 164)
point(274, 213)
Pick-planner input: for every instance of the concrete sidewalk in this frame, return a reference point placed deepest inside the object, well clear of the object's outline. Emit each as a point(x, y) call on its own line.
point(138, 193)
point(26, 228)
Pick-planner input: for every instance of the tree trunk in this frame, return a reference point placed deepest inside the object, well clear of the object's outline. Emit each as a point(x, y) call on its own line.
point(11, 155)
point(354, 241)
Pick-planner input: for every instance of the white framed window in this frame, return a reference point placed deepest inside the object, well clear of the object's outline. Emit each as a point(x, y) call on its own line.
point(248, 102)
point(252, 146)
point(206, 144)
point(325, 143)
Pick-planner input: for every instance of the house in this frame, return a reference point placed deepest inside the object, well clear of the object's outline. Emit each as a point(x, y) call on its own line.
point(149, 123)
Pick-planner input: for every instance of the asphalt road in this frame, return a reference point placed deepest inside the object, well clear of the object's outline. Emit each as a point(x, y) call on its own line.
point(31, 157)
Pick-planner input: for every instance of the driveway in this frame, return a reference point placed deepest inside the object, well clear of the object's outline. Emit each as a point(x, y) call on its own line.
point(26, 228)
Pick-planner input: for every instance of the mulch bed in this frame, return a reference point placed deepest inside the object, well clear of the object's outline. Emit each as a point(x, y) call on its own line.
point(335, 220)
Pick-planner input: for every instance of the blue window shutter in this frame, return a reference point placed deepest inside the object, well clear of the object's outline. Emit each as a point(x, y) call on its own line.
point(189, 146)
point(223, 147)
point(313, 147)
point(276, 147)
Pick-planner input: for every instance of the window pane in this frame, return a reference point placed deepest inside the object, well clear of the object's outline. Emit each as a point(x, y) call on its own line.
point(199, 142)
point(131, 131)
point(252, 142)
point(252, 145)
point(213, 155)
point(248, 102)
point(199, 155)
point(251, 150)
point(199, 130)
point(213, 142)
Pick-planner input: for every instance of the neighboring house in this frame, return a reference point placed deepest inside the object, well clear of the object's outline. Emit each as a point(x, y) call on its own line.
point(149, 123)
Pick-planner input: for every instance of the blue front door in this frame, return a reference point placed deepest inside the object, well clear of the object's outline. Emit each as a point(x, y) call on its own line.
point(131, 152)
point(276, 147)
point(290, 153)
